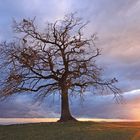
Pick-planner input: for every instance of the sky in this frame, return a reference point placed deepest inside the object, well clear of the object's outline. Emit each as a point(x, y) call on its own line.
point(116, 23)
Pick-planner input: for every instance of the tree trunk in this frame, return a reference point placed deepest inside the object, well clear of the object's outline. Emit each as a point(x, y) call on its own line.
point(65, 111)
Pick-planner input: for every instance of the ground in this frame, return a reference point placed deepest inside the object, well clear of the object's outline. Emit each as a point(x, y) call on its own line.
point(72, 131)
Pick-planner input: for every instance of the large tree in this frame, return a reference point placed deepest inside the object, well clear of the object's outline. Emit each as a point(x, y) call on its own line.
point(60, 59)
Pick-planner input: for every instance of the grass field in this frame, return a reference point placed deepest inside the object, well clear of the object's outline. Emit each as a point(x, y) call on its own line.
point(72, 131)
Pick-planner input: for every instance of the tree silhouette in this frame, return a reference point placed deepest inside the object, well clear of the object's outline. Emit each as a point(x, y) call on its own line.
point(59, 60)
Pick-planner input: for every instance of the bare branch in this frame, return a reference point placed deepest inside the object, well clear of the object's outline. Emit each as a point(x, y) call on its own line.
point(59, 59)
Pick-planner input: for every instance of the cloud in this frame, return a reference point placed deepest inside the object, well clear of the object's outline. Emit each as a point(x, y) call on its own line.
point(23, 106)
point(93, 106)
point(117, 24)
point(106, 107)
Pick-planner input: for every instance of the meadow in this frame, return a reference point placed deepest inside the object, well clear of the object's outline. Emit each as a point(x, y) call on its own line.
point(72, 131)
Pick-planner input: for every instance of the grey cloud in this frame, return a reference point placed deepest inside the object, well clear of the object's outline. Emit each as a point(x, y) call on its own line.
point(117, 24)
point(42, 9)
point(23, 106)
point(106, 107)
point(93, 106)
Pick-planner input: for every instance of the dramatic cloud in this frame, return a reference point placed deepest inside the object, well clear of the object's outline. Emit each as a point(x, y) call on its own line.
point(116, 23)
point(23, 106)
point(95, 107)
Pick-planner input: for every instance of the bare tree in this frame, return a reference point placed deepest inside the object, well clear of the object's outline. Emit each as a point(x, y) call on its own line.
point(59, 59)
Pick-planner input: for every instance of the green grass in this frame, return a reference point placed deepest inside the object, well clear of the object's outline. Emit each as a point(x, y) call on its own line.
point(72, 131)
